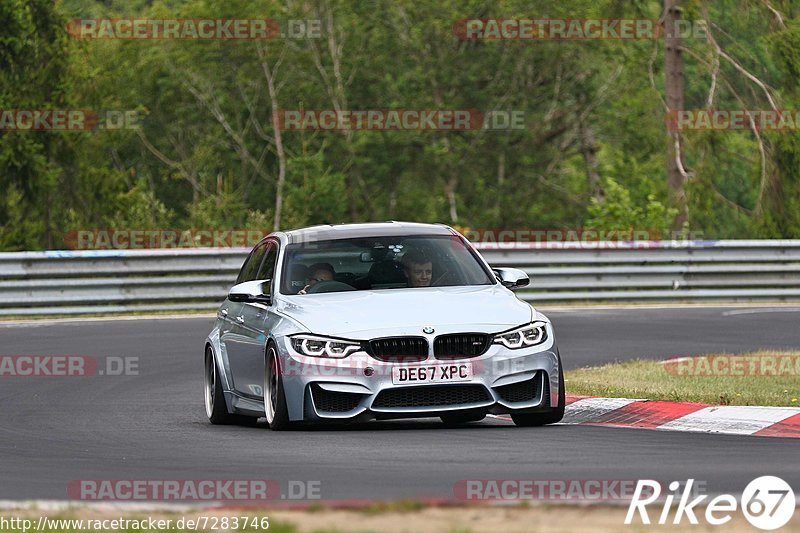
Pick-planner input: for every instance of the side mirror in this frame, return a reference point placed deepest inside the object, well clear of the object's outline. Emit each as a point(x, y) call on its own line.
point(512, 278)
point(251, 292)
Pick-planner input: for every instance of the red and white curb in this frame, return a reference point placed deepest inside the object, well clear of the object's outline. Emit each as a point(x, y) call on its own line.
point(683, 416)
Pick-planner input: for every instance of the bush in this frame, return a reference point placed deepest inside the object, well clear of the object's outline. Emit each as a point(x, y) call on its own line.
point(617, 212)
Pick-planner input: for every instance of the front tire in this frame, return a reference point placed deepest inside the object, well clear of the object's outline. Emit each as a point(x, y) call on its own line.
point(216, 409)
point(551, 417)
point(274, 396)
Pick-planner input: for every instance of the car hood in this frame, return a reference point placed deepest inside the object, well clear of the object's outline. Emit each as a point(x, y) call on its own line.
point(367, 314)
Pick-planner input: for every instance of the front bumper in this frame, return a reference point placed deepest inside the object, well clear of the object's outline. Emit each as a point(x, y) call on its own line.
point(504, 381)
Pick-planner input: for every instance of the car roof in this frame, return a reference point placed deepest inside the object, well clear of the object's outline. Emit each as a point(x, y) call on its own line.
point(330, 232)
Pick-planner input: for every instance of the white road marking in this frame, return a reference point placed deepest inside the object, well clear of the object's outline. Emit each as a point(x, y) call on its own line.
point(735, 420)
point(764, 310)
point(589, 409)
point(730, 420)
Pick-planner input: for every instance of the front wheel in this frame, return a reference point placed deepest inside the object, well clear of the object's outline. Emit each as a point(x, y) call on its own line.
point(216, 410)
point(274, 397)
point(550, 417)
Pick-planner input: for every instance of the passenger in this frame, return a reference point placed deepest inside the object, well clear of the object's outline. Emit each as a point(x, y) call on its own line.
point(319, 272)
point(418, 269)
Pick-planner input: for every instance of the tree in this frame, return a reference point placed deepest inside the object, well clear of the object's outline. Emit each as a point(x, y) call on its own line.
point(34, 52)
point(673, 72)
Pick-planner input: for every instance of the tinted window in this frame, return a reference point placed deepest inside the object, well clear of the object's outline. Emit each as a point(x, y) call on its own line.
point(373, 263)
point(251, 264)
point(267, 270)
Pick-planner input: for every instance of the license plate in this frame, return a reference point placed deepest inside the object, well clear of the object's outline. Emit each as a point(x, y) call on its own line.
point(453, 372)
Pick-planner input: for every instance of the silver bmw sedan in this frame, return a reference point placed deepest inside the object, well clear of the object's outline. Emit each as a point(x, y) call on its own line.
point(386, 320)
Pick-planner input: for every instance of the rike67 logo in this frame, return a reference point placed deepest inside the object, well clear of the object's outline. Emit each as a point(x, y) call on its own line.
point(768, 503)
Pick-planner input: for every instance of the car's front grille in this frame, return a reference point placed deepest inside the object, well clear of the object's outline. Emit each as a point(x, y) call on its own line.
point(431, 396)
point(460, 345)
point(333, 401)
point(399, 349)
point(523, 391)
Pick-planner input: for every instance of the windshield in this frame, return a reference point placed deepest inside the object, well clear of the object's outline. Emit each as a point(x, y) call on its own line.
point(381, 263)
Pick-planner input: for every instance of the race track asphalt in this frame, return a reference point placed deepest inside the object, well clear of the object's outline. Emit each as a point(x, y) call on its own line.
point(153, 426)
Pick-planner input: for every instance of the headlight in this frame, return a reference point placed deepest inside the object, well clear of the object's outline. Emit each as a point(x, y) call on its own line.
point(524, 336)
point(316, 346)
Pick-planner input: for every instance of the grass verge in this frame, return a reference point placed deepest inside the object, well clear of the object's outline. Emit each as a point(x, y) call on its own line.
point(767, 378)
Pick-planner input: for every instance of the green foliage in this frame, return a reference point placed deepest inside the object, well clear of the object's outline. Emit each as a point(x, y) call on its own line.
point(33, 75)
point(617, 212)
point(315, 194)
point(138, 209)
point(206, 154)
point(23, 233)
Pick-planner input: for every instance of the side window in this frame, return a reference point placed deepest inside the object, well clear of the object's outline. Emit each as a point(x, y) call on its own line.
point(251, 264)
point(267, 270)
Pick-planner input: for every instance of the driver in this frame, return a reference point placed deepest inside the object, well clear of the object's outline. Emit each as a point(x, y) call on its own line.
point(418, 269)
point(318, 272)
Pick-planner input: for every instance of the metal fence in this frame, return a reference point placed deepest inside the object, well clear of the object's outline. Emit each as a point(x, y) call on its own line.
point(76, 282)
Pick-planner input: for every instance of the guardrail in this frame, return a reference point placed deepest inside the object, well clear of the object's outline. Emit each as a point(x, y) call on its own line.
point(79, 282)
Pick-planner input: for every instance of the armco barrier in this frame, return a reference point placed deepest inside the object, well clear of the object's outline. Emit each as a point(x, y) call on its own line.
point(76, 282)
